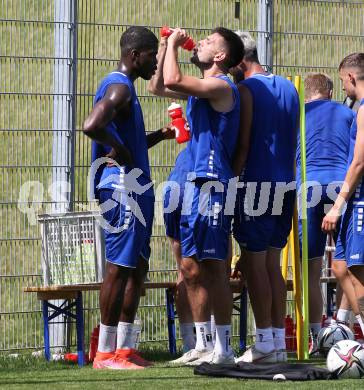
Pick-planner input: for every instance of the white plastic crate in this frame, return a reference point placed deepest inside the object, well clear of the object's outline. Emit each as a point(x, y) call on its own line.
point(73, 250)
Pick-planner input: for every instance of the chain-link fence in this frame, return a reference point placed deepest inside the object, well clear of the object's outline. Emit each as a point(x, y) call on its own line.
point(52, 56)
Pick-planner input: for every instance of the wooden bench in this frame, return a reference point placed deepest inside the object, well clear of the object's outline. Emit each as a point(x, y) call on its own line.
point(72, 307)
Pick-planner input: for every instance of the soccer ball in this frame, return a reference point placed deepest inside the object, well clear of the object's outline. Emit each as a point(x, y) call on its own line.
point(346, 359)
point(330, 335)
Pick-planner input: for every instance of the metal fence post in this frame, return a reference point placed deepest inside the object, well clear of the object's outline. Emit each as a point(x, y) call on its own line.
point(64, 120)
point(265, 33)
point(64, 110)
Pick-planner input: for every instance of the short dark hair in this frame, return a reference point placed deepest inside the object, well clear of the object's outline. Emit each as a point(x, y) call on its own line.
point(317, 83)
point(138, 38)
point(234, 45)
point(354, 60)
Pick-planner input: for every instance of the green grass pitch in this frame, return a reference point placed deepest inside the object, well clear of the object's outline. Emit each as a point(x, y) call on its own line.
point(26, 372)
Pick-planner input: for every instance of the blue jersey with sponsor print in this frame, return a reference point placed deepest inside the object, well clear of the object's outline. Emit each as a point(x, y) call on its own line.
point(274, 129)
point(358, 196)
point(129, 132)
point(327, 141)
point(213, 136)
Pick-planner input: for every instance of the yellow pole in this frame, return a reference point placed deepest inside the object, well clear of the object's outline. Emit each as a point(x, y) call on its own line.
point(297, 286)
point(296, 268)
point(285, 260)
point(287, 248)
point(304, 222)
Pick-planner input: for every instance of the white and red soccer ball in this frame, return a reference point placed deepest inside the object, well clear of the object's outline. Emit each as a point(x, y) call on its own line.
point(346, 359)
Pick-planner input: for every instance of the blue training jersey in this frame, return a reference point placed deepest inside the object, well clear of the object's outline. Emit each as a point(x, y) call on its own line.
point(274, 129)
point(358, 196)
point(213, 137)
point(182, 167)
point(327, 141)
point(129, 132)
point(178, 175)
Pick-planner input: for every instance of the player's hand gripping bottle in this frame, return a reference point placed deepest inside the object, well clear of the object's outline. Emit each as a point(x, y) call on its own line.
point(179, 123)
point(188, 45)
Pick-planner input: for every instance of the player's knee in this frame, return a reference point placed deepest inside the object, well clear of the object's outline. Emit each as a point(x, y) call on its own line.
point(190, 272)
point(115, 272)
point(340, 271)
point(141, 271)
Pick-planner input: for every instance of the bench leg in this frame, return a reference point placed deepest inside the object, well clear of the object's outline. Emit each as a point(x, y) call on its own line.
point(80, 330)
point(243, 318)
point(47, 352)
point(171, 322)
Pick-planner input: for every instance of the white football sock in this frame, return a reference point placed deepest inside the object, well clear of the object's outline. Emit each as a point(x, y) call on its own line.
point(342, 315)
point(203, 336)
point(222, 344)
point(360, 321)
point(137, 329)
point(264, 340)
point(279, 338)
point(125, 339)
point(188, 335)
point(107, 338)
point(213, 329)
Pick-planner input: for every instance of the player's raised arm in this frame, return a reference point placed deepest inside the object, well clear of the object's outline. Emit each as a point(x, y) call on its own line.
point(156, 84)
point(216, 90)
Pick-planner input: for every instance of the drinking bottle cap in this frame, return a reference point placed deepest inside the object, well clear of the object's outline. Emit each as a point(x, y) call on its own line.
point(174, 106)
point(166, 31)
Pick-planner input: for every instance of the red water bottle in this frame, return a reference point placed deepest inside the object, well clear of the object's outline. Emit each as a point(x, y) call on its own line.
point(358, 334)
point(288, 323)
point(73, 357)
point(324, 321)
point(94, 340)
point(294, 339)
point(188, 45)
point(179, 123)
